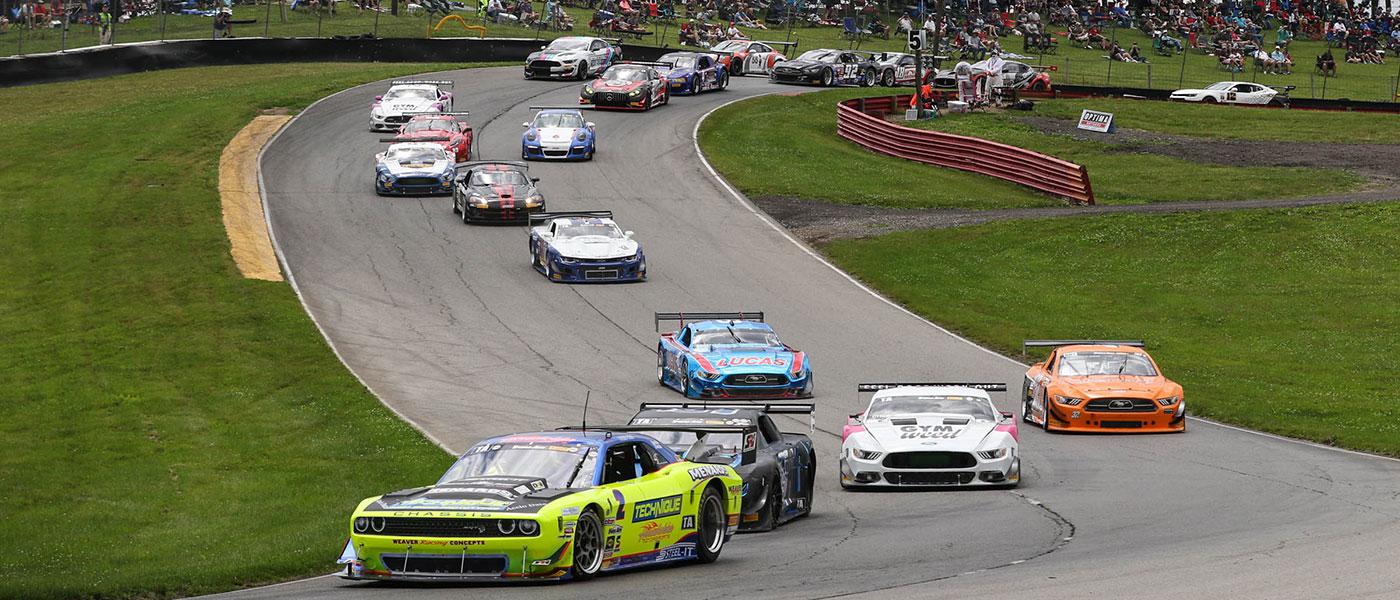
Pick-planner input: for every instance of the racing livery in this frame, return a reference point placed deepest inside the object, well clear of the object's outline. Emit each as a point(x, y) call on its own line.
point(1100, 385)
point(693, 72)
point(496, 191)
point(827, 68)
point(729, 355)
point(743, 57)
point(558, 134)
point(897, 68)
point(584, 247)
point(573, 57)
point(449, 129)
point(929, 435)
point(391, 110)
point(627, 85)
point(1015, 74)
point(1235, 92)
point(549, 505)
point(777, 484)
point(420, 167)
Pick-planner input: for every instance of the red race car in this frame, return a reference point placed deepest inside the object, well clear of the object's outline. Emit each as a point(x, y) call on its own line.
point(743, 57)
point(637, 86)
point(449, 129)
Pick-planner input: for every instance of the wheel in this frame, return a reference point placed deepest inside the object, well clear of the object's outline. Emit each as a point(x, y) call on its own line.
point(1210, 100)
point(1026, 403)
point(736, 68)
point(774, 505)
point(660, 367)
point(811, 483)
point(870, 78)
point(588, 546)
point(1038, 86)
point(581, 72)
point(465, 218)
point(646, 104)
point(887, 79)
point(1045, 423)
point(685, 384)
point(548, 270)
point(827, 77)
point(455, 210)
point(710, 522)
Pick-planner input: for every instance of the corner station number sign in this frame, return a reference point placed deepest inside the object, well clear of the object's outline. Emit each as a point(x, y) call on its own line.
point(1093, 120)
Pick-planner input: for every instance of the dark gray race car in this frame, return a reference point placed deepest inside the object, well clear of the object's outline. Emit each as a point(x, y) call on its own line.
point(495, 191)
point(777, 486)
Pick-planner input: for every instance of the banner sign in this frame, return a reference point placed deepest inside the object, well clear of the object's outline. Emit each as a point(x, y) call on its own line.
point(1093, 120)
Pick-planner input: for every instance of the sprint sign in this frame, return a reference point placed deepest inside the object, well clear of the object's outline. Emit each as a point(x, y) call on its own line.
point(1093, 120)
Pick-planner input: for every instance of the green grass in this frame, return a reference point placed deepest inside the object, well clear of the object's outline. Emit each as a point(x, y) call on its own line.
point(1235, 122)
point(1132, 178)
point(1283, 321)
point(1075, 65)
point(170, 427)
point(800, 134)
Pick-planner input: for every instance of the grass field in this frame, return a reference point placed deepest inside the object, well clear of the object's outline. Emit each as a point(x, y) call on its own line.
point(799, 133)
point(1282, 321)
point(171, 427)
point(1235, 122)
point(1075, 65)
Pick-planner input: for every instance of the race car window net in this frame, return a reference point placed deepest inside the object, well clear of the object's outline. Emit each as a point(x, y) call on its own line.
point(558, 465)
point(736, 335)
point(607, 230)
point(499, 178)
point(410, 94)
point(545, 120)
point(1088, 364)
point(890, 406)
point(416, 155)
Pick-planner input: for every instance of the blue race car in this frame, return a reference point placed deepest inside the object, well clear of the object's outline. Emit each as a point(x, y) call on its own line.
point(693, 72)
point(729, 355)
point(584, 247)
point(558, 134)
point(419, 167)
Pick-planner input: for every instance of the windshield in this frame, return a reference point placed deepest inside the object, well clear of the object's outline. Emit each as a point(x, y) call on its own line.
point(680, 62)
point(498, 178)
point(818, 56)
point(731, 46)
point(558, 120)
point(716, 444)
point(1224, 85)
point(561, 466)
point(416, 155)
point(893, 406)
point(736, 335)
point(569, 44)
point(625, 74)
point(607, 230)
point(410, 94)
point(1105, 363)
point(430, 125)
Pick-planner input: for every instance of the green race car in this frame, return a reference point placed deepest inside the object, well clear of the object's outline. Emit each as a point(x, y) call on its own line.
point(553, 505)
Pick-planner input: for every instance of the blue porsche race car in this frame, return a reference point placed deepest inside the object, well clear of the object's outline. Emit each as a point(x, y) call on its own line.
point(729, 355)
point(558, 133)
point(693, 72)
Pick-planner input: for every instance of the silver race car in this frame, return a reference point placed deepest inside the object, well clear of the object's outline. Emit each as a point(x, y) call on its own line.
point(391, 110)
point(584, 246)
point(574, 57)
point(930, 435)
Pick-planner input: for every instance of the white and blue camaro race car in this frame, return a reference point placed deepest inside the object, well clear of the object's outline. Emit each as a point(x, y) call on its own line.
point(930, 435)
point(584, 247)
point(413, 168)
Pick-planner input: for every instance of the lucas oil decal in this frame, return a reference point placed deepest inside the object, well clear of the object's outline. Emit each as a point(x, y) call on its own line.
point(656, 509)
point(914, 432)
point(751, 361)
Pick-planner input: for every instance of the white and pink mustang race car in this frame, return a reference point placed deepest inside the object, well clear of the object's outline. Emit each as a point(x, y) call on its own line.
point(930, 435)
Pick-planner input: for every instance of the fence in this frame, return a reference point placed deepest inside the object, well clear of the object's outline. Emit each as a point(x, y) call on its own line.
point(861, 120)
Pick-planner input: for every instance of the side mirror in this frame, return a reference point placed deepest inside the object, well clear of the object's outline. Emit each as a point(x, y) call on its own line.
point(525, 125)
point(543, 47)
point(589, 125)
point(534, 180)
point(1007, 415)
point(378, 98)
point(627, 234)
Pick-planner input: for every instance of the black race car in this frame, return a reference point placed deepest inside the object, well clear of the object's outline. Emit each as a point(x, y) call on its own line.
point(827, 67)
point(495, 191)
point(777, 485)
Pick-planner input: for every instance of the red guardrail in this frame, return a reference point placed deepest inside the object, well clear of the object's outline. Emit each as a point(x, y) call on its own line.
point(862, 121)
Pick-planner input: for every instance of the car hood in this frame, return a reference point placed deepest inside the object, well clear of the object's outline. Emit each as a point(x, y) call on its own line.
point(929, 432)
point(558, 55)
point(614, 85)
point(595, 247)
point(557, 134)
point(493, 494)
point(1115, 386)
point(433, 168)
point(503, 192)
point(1190, 92)
point(731, 360)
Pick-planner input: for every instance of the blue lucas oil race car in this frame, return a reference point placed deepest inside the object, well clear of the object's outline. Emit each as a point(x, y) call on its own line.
point(584, 247)
point(692, 72)
point(729, 355)
point(558, 133)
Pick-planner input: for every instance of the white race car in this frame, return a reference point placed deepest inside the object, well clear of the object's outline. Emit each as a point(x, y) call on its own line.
point(574, 57)
point(584, 246)
point(930, 435)
point(413, 168)
point(395, 107)
point(1234, 92)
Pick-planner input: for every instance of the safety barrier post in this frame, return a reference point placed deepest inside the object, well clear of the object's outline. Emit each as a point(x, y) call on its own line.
point(267, 18)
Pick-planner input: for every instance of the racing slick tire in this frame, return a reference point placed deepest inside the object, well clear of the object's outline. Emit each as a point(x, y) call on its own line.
point(723, 81)
point(548, 270)
point(1209, 100)
point(646, 104)
point(581, 72)
point(887, 78)
point(870, 78)
point(711, 523)
point(466, 220)
point(828, 78)
point(660, 367)
point(588, 546)
point(1026, 403)
point(773, 506)
point(1038, 86)
point(736, 68)
point(811, 484)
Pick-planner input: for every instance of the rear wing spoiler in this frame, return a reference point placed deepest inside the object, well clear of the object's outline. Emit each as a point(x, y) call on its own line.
point(748, 454)
point(575, 107)
point(1057, 343)
point(804, 408)
point(422, 82)
point(649, 63)
point(793, 44)
point(1051, 68)
point(547, 216)
point(414, 140)
point(870, 388)
point(524, 166)
point(613, 41)
point(683, 317)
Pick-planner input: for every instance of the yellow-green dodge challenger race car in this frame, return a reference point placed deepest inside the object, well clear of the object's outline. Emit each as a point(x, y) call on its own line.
point(566, 504)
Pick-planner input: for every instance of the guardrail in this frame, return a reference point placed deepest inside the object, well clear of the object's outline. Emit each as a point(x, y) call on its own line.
point(861, 120)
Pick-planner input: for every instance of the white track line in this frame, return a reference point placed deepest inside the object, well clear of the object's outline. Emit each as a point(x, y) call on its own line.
point(762, 216)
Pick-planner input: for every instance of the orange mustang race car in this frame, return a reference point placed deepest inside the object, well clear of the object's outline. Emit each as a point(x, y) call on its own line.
point(1100, 385)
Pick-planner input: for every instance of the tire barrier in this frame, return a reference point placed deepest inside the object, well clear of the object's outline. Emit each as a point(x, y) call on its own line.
point(861, 120)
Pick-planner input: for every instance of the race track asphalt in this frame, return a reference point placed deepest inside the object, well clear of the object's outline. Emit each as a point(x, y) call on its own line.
point(450, 327)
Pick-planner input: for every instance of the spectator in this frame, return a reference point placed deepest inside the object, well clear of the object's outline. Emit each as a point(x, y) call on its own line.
point(1135, 54)
point(1281, 60)
point(904, 24)
point(1327, 64)
point(104, 20)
